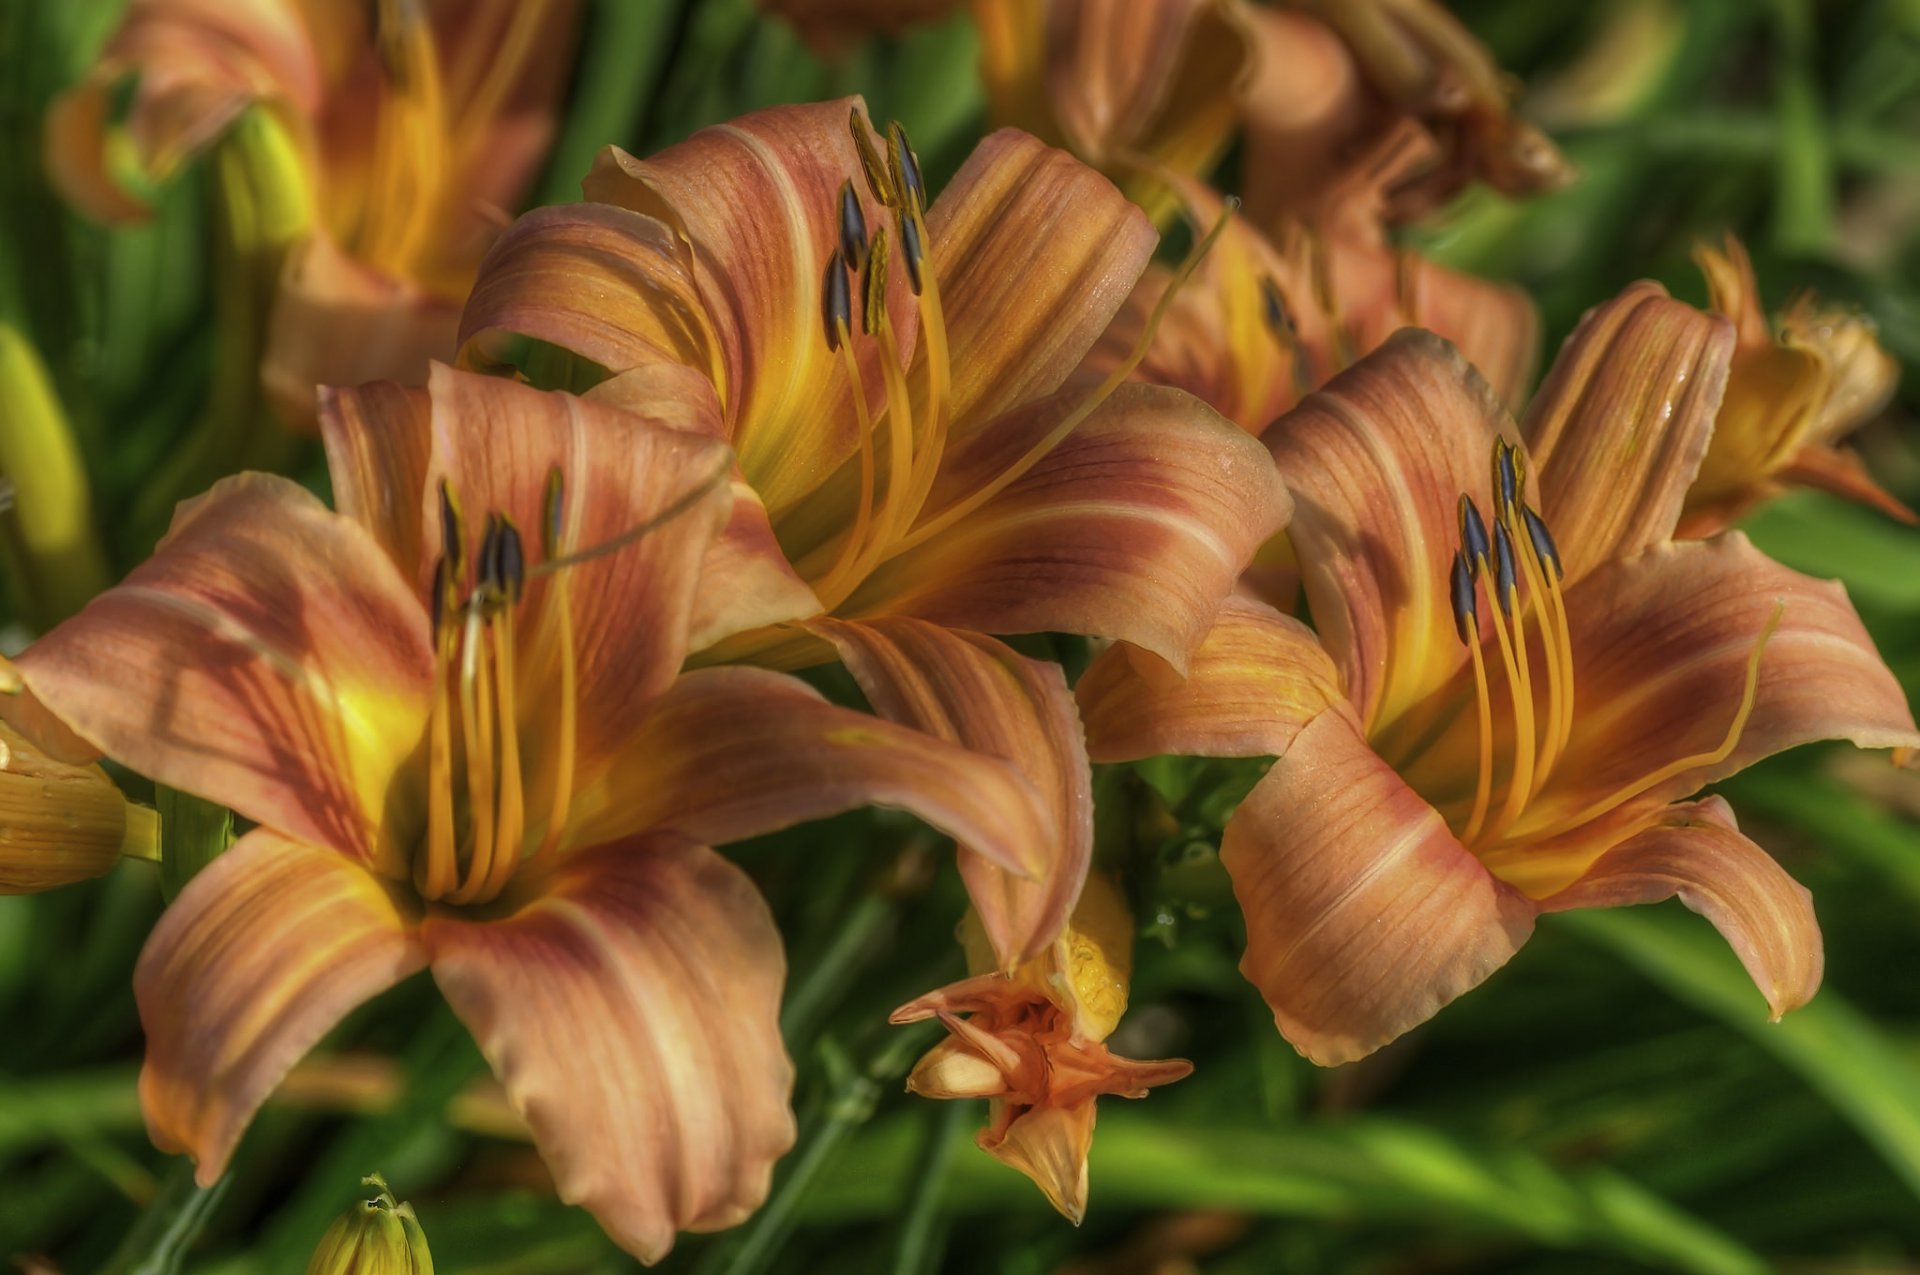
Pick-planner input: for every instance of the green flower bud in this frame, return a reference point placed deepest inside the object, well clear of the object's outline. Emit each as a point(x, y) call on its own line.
point(373, 1237)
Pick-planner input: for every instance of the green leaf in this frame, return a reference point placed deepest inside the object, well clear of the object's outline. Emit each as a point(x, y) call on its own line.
point(193, 833)
point(1833, 1047)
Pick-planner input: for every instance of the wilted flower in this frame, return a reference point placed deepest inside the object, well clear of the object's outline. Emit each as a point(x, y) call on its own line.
point(471, 748)
point(373, 1237)
point(61, 821)
point(1496, 720)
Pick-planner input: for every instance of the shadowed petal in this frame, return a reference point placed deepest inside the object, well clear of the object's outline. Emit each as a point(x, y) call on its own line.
point(1364, 914)
point(1257, 679)
point(731, 753)
point(1376, 463)
point(268, 656)
point(263, 953)
point(754, 206)
point(1620, 425)
point(1134, 527)
point(632, 1012)
point(1698, 855)
point(1034, 252)
point(377, 438)
point(974, 691)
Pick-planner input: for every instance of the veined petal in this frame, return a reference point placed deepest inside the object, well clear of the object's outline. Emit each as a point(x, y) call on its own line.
point(1662, 645)
point(263, 953)
point(1376, 463)
point(377, 438)
point(1494, 325)
point(1251, 686)
point(1134, 527)
point(268, 656)
point(1049, 1144)
point(1035, 253)
point(632, 1011)
point(1364, 914)
point(1620, 426)
point(754, 205)
point(496, 442)
point(1697, 854)
point(973, 691)
point(730, 753)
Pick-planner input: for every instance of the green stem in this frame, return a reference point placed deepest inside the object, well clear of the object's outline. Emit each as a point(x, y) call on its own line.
point(920, 1237)
point(168, 1227)
point(827, 981)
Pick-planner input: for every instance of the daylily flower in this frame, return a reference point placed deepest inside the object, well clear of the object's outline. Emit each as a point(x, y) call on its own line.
point(1496, 720)
point(1792, 396)
point(411, 124)
point(470, 748)
point(914, 454)
point(1031, 1042)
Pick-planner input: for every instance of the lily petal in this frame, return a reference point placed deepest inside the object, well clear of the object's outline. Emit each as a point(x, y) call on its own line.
point(1049, 1144)
point(1841, 471)
point(1305, 108)
point(731, 753)
point(632, 1012)
point(263, 953)
point(268, 656)
point(1376, 463)
point(1035, 252)
point(975, 692)
point(1364, 914)
point(496, 442)
point(1251, 686)
point(754, 205)
point(1134, 527)
point(1697, 854)
point(377, 438)
point(1621, 424)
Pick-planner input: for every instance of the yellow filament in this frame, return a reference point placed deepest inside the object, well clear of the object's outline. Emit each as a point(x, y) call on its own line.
point(1520, 687)
point(476, 710)
point(510, 826)
point(1543, 617)
point(933, 331)
point(434, 873)
point(409, 159)
point(560, 610)
point(1557, 604)
point(961, 508)
point(893, 511)
point(1483, 788)
point(851, 548)
point(1674, 769)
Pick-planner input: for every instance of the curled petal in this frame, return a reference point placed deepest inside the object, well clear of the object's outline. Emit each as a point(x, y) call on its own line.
point(1364, 914)
point(1251, 686)
point(1049, 1144)
point(746, 582)
point(1305, 107)
point(1134, 527)
point(1035, 253)
point(1841, 471)
point(377, 438)
point(263, 953)
point(632, 1011)
point(1376, 463)
point(754, 208)
point(1620, 426)
point(973, 691)
point(731, 753)
point(1697, 854)
point(268, 656)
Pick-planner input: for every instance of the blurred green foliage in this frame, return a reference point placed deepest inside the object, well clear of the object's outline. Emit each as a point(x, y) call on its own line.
point(1615, 1100)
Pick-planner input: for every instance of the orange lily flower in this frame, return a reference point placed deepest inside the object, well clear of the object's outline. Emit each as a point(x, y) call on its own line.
point(1032, 1043)
point(1791, 398)
point(413, 123)
point(478, 755)
point(914, 454)
point(1490, 725)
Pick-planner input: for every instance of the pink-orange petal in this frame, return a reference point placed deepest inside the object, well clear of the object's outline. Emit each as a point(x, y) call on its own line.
point(268, 656)
point(377, 438)
point(263, 953)
point(974, 691)
point(1249, 689)
point(1364, 915)
point(631, 1009)
point(1696, 853)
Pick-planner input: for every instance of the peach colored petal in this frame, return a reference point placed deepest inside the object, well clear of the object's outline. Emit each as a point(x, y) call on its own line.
point(263, 953)
point(1364, 914)
point(1134, 527)
point(1697, 854)
point(1841, 471)
point(1049, 1144)
point(1620, 426)
point(746, 581)
point(377, 438)
point(1304, 111)
point(731, 753)
point(1034, 252)
point(1376, 463)
point(1494, 325)
point(973, 691)
point(1251, 686)
point(754, 206)
point(268, 656)
point(631, 1010)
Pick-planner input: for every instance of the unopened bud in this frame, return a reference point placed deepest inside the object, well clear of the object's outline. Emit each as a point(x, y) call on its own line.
point(373, 1237)
point(61, 823)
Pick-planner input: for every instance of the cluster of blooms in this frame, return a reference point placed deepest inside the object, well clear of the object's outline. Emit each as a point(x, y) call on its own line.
point(604, 478)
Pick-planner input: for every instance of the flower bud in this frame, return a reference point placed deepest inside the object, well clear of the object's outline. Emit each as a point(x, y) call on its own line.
point(61, 823)
point(373, 1237)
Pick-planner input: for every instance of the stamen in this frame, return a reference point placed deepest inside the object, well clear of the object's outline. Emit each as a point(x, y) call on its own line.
point(433, 872)
point(911, 251)
point(853, 228)
point(1542, 540)
point(558, 614)
point(1466, 621)
point(1473, 535)
point(836, 304)
point(687, 500)
point(452, 541)
point(854, 546)
point(476, 725)
point(894, 513)
point(878, 182)
point(510, 820)
point(873, 286)
point(904, 168)
point(1548, 555)
point(1520, 682)
point(1465, 612)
